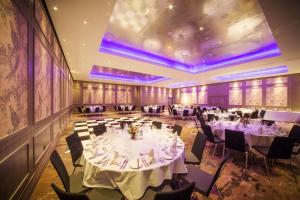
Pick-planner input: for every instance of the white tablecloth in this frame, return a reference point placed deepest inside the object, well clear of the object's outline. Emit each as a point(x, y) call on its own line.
point(282, 116)
point(131, 182)
point(253, 136)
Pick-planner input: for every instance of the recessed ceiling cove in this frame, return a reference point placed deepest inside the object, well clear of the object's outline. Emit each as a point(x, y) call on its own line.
point(99, 72)
point(190, 35)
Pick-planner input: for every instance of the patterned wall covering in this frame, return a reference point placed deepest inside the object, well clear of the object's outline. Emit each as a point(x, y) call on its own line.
point(99, 93)
point(13, 65)
point(43, 21)
point(241, 93)
point(155, 95)
point(276, 96)
point(235, 96)
point(254, 96)
point(42, 81)
point(56, 88)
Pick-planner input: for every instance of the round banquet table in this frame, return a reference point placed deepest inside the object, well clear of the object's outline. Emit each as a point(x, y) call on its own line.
point(253, 135)
point(114, 160)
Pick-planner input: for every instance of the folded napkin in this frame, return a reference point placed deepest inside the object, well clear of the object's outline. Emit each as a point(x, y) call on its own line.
point(149, 157)
point(136, 164)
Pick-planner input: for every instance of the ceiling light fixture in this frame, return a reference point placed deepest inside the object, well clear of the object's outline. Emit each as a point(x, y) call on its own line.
point(85, 22)
point(171, 7)
point(55, 8)
point(201, 28)
point(83, 44)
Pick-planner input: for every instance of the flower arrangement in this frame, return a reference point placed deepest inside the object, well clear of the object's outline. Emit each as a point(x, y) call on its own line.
point(133, 131)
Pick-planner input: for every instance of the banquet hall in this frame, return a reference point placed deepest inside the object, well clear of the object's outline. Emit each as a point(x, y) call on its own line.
point(150, 99)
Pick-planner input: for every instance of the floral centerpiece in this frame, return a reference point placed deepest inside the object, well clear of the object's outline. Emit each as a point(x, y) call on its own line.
point(133, 131)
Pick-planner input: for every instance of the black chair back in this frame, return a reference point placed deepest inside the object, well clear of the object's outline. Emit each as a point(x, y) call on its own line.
point(281, 148)
point(267, 122)
point(231, 117)
point(202, 121)
point(157, 124)
point(62, 195)
point(174, 112)
point(60, 169)
point(142, 109)
point(199, 145)
point(133, 108)
point(210, 117)
point(158, 110)
point(235, 140)
point(115, 107)
point(97, 109)
point(208, 132)
point(150, 110)
point(185, 113)
point(295, 132)
point(247, 115)
point(126, 108)
point(177, 128)
point(75, 146)
point(254, 114)
point(262, 113)
point(120, 109)
point(194, 112)
point(183, 193)
point(163, 108)
point(87, 109)
point(103, 108)
point(216, 176)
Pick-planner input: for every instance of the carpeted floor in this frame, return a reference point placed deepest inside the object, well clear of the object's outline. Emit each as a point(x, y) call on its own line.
point(234, 182)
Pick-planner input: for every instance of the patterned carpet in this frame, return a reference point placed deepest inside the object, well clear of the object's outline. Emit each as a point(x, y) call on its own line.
point(234, 182)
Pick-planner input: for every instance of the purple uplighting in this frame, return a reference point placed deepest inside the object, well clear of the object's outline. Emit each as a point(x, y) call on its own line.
point(119, 49)
point(124, 75)
point(253, 74)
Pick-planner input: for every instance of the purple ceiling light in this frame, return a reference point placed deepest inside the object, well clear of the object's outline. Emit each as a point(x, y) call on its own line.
point(183, 84)
point(119, 49)
point(124, 75)
point(253, 74)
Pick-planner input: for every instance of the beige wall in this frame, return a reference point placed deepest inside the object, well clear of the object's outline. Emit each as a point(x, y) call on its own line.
point(279, 92)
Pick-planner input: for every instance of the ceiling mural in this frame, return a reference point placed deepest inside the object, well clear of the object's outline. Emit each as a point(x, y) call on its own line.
point(189, 35)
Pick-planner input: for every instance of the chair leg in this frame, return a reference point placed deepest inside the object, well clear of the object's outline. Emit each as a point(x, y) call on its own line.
point(246, 165)
point(266, 165)
point(223, 152)
point(214, 151)
point(74, 170)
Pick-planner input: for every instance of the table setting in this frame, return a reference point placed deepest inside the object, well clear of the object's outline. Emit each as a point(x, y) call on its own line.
point(138, 154)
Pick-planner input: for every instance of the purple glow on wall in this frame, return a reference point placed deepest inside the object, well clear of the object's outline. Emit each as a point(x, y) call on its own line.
point(123, 75)
point(116, 48)
point(253, 74)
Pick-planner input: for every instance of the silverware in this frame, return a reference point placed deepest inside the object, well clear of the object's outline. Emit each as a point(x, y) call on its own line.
point(126, 161)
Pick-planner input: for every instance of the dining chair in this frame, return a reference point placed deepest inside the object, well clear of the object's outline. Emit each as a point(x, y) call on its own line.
point(295, 132)
point(262, 114)
point(235, 140)
point(150, 111)
point(158, 111)
point(211, 138)
point(202, 121)
point(281, 148)
point(183, 193)
point(63, 195)
point(76, 149)
point(185, 114)
point(87, 110)
point(97, 109)
point(177, 128)
point(267, 122)
point(210, 117)
point(254, 114)
point(163, 108)
point(204, 181)
point(103, 109)
point(175, 113)
point(157, 124)
point(195, 155)
point(165, 192)
point(72, 183)
point(239, 113)
point(93, 194)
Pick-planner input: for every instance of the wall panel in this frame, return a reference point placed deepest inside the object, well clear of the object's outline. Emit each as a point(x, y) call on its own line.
point(13, 65)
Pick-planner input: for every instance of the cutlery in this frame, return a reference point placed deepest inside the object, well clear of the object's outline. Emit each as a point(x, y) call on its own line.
point(126, 161)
